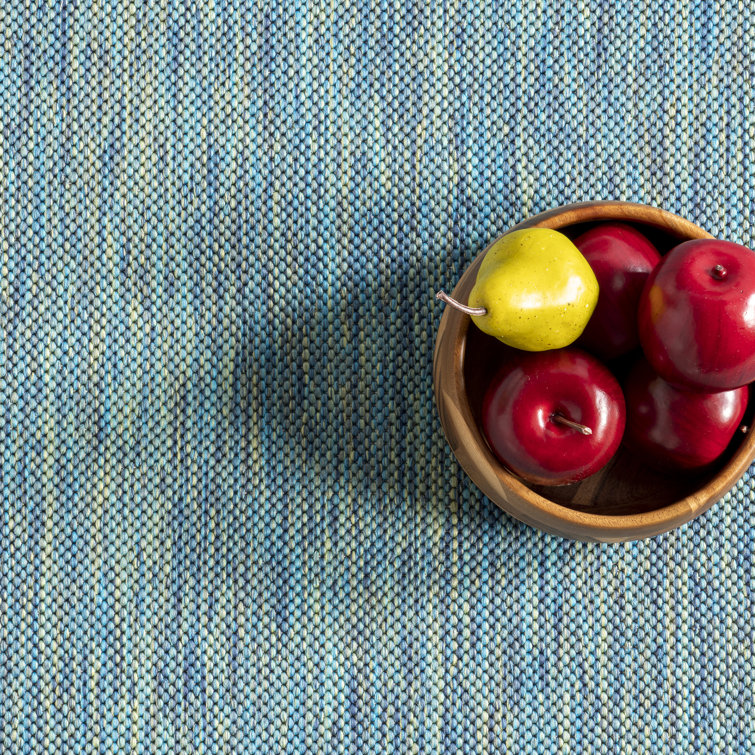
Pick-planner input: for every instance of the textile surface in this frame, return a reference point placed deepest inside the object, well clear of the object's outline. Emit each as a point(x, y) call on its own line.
point(229, 520)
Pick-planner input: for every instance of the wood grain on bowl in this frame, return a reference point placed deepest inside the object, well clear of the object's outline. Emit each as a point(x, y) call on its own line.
point(623, 501)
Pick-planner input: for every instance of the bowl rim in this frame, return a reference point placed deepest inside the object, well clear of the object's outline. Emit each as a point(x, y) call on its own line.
point(478, 461)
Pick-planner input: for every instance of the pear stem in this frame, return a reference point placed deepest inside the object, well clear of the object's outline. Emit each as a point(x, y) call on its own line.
point(474, 311)
point(571, 423)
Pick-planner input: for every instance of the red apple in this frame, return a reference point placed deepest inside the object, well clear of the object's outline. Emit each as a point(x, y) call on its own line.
point(675, 428)
point(697, 315)
point(622, 259)
point(554, 417)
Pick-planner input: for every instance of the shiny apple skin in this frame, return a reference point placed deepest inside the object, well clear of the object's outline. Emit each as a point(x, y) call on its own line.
point(622, 258)
point(676, 428)
point(696, 330)
point(520, 403)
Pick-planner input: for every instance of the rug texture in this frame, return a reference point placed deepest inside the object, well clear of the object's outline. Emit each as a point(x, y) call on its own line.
point(229, 521)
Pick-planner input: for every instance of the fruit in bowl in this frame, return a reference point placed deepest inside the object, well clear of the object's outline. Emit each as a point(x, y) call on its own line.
point(534, 291)
point(622, 259)
point(627, 498)
point(554, 417)
point(697, 315)
point(677, 428)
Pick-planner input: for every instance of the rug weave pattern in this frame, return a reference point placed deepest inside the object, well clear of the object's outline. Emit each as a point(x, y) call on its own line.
point(229, 521)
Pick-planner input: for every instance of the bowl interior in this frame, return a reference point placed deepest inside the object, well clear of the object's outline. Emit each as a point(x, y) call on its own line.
point(626, 486)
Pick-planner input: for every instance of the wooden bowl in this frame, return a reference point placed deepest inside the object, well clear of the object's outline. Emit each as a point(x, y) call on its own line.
point(623, 501)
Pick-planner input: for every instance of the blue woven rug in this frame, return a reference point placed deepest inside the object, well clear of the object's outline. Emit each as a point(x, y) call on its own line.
point(229, 520)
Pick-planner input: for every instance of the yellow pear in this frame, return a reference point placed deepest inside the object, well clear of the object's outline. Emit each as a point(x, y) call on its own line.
point(534, 291)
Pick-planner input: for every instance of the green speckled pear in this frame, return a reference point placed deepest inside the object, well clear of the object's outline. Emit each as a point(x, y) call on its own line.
point(536, 289)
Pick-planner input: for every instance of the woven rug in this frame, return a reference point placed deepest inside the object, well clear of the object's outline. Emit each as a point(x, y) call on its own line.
point(230, 522)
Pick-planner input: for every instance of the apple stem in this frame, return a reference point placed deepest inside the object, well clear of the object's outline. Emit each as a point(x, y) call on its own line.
point(475, 311)
point(719, 272)
point(571, 423)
